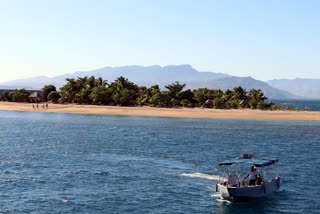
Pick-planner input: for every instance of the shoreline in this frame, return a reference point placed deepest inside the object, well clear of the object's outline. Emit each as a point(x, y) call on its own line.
point(245, 114)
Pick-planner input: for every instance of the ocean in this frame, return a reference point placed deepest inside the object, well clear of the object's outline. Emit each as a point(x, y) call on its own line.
point(69, 163)
point(314, 105)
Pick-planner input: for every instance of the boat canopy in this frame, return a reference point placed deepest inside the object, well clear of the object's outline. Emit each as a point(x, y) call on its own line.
point(253, 161)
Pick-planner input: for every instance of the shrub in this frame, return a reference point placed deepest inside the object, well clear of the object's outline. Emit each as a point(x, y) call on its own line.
point(185, 103)
point(253, 104)
point(232, 104)
point(21, 95)
point(125, 97)
point(262, 105)
point(140, 101)
point(218, 103)
point(101, 95)
point(160, 98)
point(53, 96)
point(84, 95)
point(46, 90)
point(6, 96)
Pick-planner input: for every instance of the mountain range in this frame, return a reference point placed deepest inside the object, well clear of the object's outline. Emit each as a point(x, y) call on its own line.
point(140, 75)
point(247, 83)
point(165, 75)
point(302, 87)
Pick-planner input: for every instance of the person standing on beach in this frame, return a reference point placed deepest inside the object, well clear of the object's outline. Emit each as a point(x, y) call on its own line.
point(37, 105)
point(43, 105)
point(47, 105)
point(32, 105)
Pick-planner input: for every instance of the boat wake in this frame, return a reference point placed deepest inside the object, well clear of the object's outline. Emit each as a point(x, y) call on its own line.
point(215, 195)
point(200, 175)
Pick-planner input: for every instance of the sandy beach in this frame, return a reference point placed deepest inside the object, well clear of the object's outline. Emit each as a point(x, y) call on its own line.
point(246, 114)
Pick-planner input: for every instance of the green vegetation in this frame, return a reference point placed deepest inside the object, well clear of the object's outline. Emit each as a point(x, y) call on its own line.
point(122, 92)
point(6, 96)
point(20, 95)
point(101, 95)
point(53, 96)
point(185, 103)
point(46, 90)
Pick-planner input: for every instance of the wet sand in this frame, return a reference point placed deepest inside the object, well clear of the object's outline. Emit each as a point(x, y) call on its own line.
point(246, 114)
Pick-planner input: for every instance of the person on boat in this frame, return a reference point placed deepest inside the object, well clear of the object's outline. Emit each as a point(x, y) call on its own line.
point(252, 176)
point(259, 179)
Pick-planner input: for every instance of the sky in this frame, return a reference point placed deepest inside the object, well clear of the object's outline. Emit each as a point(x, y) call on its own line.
point(264, 39)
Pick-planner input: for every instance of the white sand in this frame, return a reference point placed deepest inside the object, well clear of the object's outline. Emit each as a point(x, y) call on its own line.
point(246, 114)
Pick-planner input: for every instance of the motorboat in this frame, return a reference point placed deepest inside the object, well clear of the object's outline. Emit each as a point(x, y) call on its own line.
point(233, 185)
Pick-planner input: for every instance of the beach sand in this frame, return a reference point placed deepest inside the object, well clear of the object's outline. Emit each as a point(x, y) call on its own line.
point(246, 114)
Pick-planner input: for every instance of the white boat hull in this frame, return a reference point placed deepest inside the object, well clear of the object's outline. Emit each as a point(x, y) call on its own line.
point(248, 192)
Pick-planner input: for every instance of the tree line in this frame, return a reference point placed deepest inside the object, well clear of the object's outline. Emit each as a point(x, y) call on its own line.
point(91, 90)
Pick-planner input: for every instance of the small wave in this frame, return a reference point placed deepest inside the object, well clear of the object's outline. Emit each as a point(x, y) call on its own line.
point(200, 175)
point(77, 171)
point(102, 173)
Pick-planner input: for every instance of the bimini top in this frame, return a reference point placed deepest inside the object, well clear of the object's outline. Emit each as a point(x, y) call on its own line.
point(254, 161)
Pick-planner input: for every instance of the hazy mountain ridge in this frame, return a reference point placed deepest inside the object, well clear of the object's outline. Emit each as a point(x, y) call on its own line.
point(33, 83)
point(154, 74)
point(138, 74)
point(162, 76)
point(301, 87)
point(245, 82)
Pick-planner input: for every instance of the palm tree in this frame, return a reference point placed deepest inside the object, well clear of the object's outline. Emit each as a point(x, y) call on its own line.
point(125, 92)
point(174, 89)
point(91, 82)
point(257, 95)
point(82, 82)
point(70, 89)
point(101, 82)
point(218, 93)
point(240, 93)
point(227, 95)
point(121, 83)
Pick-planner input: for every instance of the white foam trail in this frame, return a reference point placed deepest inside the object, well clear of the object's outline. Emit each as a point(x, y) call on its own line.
point(215, 195)
point(200, 175)
point(224, 201)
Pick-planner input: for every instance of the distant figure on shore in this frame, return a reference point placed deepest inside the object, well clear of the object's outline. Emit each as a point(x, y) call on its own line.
point(43, 105)
point(37, 105)
point(32, 105)
point(47, 105)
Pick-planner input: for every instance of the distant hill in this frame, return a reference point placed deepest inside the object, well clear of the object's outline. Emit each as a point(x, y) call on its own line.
point(139, 74)
point(13, 90)
point(245, 82)
point(302, 87)
point(34, 83)
point(162, 76)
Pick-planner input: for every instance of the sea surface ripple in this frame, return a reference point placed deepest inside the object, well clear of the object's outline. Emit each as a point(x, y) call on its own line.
point(69, 163)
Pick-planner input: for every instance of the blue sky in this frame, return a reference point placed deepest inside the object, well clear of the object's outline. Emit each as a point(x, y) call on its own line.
point(263, 39)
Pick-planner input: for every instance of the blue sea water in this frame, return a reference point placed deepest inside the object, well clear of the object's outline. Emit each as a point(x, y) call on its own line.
point(68, 163)
point(314, 105)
